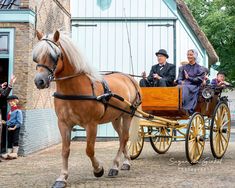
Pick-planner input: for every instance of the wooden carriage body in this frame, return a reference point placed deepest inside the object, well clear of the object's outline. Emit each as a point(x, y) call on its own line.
point(167, 102)
point(163, 107)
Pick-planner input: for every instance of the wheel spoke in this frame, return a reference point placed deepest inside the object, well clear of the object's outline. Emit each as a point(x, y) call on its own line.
point(225, 123)
point(222, 136)
point(133, 148)
point(140, 144)
point(219, 146)
point(200, 128)
point(202, 145)
point(191, 140)
point(197, 150)
point(191, 147)
point(222, 144)
point(160, 143)
point(164, 146)
point(216, 141)
point(192, 133)
point(192, 151)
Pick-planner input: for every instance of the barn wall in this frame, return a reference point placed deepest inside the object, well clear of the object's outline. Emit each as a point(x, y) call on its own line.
point(101, 29)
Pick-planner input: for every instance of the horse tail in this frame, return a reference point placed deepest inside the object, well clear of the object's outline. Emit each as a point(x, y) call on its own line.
point(134, 127)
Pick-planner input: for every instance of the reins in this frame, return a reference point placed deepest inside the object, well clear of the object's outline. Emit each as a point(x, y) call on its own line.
point(111, 72)
point(66, 77)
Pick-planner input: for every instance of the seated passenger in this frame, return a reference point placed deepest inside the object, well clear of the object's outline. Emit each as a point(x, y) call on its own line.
point(161, 74)
point(191, 78)
point(182, 63)
point(219, 81)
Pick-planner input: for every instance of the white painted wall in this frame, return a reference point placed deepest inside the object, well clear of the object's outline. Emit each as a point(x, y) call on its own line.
point(106, 44)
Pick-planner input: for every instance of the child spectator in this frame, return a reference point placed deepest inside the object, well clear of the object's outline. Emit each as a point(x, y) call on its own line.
point(219, 81)
point(14, 121)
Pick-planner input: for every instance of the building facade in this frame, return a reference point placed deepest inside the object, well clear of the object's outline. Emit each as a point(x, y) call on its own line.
point(123, 35)
point(19, 20)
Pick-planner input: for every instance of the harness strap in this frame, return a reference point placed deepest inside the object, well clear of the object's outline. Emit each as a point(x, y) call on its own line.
point(74, 97)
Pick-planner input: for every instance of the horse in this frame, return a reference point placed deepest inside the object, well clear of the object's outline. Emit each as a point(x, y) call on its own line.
point(87, 98)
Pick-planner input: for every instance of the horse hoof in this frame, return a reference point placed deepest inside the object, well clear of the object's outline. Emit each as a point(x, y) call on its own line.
point(59, 184)
point(113, 173)
point(100, 173)
point(125, 167)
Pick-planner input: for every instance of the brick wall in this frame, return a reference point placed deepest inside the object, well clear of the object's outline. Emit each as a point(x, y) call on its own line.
point(22, 54)
point(40, 123)
point(50, 17)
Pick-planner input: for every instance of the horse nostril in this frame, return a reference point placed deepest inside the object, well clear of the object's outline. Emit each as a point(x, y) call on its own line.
point(40, 82)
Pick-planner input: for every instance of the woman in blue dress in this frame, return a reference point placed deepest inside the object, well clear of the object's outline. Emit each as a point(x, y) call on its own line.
point(191, 78)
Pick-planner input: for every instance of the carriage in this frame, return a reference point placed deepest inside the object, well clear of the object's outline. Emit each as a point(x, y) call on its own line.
point(169, 122)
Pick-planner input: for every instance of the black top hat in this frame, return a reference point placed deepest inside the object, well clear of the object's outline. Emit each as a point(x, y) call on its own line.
point(12, 97)
point(162, 52)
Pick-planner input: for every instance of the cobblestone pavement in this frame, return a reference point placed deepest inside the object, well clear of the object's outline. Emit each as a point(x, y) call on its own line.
point(149, 170)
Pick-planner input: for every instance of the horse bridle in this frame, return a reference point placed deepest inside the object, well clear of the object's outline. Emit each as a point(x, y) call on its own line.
point(54, 56)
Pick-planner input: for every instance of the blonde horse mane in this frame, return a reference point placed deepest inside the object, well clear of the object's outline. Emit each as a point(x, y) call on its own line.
point(73, 53)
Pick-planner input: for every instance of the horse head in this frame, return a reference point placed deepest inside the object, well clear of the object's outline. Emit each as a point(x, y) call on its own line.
point(47, 54)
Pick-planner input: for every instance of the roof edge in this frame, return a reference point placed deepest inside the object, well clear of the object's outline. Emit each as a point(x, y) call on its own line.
point(213, 57)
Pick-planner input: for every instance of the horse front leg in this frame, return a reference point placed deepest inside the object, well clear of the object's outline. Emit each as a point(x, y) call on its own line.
point(65, 132)
point(91, 131)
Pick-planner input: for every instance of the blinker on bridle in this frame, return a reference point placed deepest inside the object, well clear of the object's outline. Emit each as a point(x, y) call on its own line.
point(54, 56)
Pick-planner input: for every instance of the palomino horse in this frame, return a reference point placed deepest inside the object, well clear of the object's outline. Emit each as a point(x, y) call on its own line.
point(77, 99)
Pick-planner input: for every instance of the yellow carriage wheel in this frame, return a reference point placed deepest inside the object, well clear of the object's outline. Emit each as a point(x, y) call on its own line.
point(220, 130)
point(135, 147)
point(195, 138)
point(161, 139)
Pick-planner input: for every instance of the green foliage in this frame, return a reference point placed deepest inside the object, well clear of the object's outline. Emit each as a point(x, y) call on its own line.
point(217, 20)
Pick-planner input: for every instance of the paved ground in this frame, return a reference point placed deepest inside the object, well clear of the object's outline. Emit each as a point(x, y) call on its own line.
point(149, 170)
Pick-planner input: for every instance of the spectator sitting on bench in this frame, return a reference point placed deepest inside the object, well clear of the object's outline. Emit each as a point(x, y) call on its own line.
point(161, 74)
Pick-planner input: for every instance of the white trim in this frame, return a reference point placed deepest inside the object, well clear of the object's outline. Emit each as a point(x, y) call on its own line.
point(17, 16)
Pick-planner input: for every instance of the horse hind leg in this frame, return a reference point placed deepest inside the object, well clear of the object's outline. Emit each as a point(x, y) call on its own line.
point(117, 125)
point(121, 125)
point(134, 126)
point(91, 131)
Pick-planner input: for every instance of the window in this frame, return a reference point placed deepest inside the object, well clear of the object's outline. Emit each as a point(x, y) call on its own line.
point(4, 43)
point(9, 4)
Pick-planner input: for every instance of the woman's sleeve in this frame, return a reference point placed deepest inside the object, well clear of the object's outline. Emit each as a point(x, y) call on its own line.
point(198, 79)
point(180, 75)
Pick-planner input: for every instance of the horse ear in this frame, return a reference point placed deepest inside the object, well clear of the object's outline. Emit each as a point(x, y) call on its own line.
point(56, 36)
point(39, 35)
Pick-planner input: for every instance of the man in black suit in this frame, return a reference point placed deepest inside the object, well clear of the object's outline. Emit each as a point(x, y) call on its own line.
point(161, 74)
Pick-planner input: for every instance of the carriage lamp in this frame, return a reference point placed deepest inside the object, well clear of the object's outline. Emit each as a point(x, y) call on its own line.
point(207, 93)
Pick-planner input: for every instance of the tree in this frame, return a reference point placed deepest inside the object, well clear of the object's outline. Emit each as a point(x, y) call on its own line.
point(217, 20)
